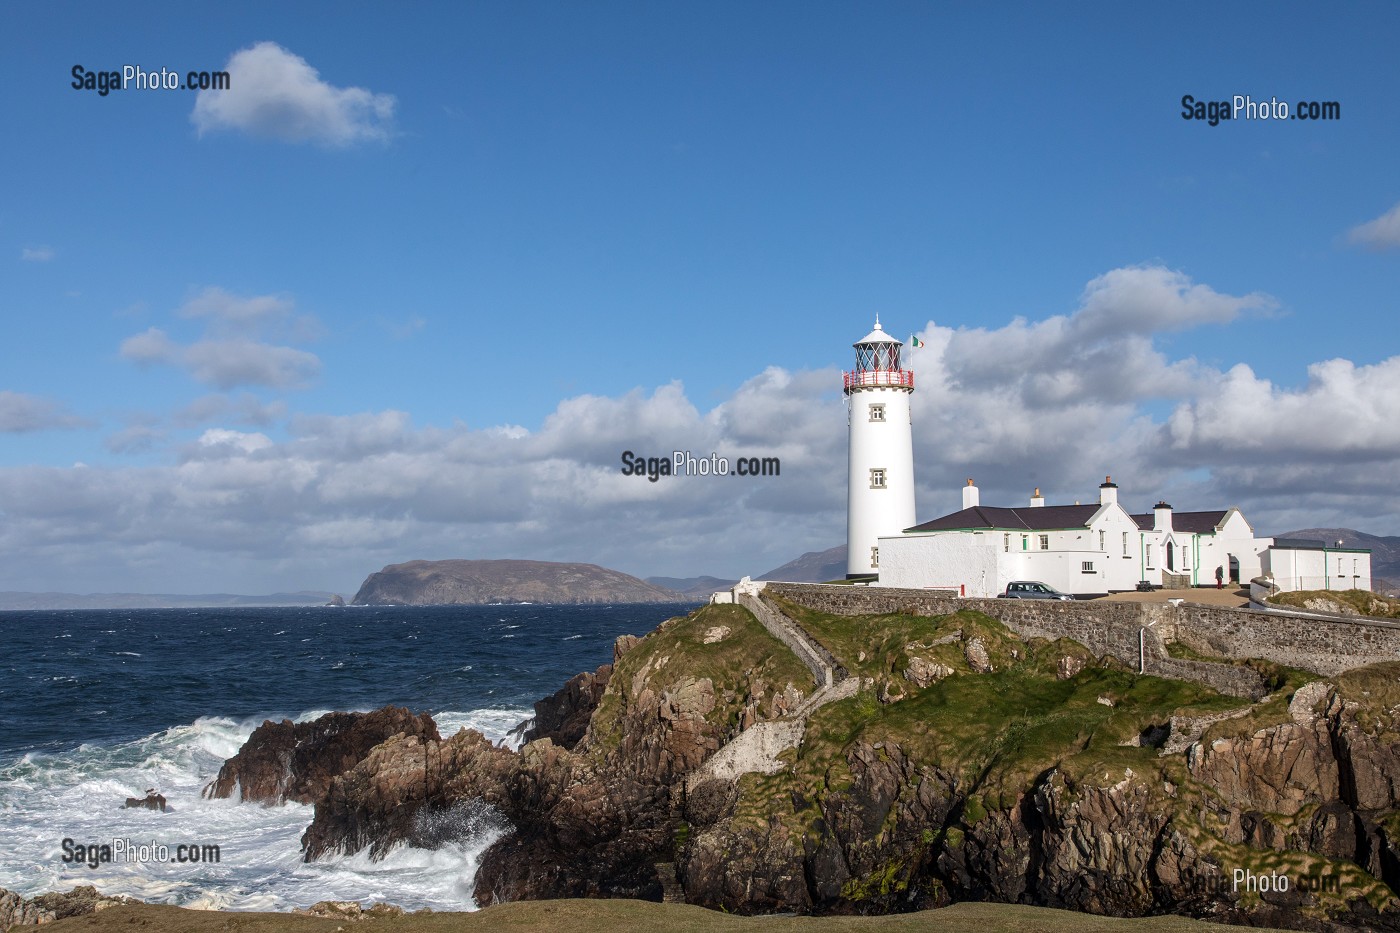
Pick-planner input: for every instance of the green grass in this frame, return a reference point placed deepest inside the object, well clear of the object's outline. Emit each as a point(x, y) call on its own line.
point(996, 732)
point(746, 660)
point(1363, 601)
point(1376, 689)
point(627, 916)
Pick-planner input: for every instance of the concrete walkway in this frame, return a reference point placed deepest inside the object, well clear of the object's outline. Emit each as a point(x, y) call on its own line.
point(756, 749)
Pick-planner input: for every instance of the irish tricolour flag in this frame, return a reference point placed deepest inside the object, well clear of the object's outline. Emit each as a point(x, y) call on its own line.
point(918, 344)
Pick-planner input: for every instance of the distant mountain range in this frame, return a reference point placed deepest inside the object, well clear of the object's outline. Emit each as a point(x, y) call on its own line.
point(812, 567)
point(19, 600)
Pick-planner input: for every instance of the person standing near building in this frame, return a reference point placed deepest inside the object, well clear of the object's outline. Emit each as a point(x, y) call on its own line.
point(1219, 577)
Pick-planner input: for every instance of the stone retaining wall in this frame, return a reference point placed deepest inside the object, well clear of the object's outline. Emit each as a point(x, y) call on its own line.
point(1324, 646)
point(1111, 628)
point(810, 652)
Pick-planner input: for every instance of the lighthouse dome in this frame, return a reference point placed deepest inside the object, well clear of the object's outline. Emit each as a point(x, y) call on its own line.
point(877, 335)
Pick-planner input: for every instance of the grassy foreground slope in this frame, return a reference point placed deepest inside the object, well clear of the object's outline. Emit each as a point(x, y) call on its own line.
point(621, 916)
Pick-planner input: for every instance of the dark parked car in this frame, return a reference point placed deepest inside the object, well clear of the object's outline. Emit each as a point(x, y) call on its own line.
point(1031, 589)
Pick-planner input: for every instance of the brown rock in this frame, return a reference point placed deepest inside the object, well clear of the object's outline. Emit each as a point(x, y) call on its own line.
point(284, 761)
point(564, 717)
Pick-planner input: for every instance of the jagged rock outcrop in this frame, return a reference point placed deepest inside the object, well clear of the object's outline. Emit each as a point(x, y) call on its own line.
point(406, 789)
point(563, 717)
point(16, 911)
point(284, 760)
point(477, 582)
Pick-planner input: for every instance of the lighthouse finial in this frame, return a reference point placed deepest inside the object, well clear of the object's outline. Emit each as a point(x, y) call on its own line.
point(877, 321)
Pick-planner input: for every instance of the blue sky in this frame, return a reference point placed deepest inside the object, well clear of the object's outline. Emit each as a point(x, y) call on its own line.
point(410, 287)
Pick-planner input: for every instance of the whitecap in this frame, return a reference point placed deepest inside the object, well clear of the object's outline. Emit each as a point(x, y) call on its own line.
point(78, 794)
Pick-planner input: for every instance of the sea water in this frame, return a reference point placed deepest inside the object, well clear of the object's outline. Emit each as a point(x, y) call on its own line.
point(96, 707)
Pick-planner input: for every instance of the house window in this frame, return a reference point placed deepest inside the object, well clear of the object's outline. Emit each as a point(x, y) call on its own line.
point(1149, 557)
point(874, 558)
point(1045, 542)
point(877, 412)
point(1025, 542)
point(1006, 542)
point(1103, 540)
point(877, 478)
point(1086, 567)
point(1125, 544)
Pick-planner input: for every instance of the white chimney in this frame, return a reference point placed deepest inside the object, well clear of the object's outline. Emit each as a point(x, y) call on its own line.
point(971, 497)
point(1037, 500)
point(1162, 517)
point(1108, 491)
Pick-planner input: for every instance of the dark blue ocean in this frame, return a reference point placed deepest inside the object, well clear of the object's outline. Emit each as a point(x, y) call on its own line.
point(99, 706)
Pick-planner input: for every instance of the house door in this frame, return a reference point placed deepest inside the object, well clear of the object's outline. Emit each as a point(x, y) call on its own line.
point(1234, 569)
point(1171, 557)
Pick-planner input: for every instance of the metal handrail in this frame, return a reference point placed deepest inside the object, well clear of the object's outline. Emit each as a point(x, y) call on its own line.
point(901, 378)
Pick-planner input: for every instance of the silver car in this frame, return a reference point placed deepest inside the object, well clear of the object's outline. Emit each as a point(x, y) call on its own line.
point(1031, 589)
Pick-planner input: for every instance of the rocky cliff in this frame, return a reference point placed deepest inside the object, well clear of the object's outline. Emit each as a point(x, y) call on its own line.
point(969, 765)
point(462, 582)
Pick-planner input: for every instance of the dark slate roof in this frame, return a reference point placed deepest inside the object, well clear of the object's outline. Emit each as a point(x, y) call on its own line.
point(1299, 544)
point(1191, 523)
point(1044, 518)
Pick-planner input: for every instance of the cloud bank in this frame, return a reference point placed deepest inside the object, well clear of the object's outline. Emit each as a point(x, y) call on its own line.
point(261, 497)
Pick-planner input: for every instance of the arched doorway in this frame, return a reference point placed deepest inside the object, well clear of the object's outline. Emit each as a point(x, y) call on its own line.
point(1171, 557)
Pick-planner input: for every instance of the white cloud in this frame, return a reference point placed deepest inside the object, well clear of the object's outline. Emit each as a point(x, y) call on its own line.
point(229, 356)
point(226, 364)
point(243, 313)
point(150, 347)
point(1344, 416)
point(238, 440)
point(134, 439)
point(276, 94)
point(21, 413)
point(243, 408)
point(1381, 233)
point(37, 254)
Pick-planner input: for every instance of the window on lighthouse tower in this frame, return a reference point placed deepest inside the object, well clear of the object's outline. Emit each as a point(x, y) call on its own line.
point(877, 478)
point(877, 412)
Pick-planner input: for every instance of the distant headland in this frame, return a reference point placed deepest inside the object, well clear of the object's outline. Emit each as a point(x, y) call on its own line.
point(480, 582)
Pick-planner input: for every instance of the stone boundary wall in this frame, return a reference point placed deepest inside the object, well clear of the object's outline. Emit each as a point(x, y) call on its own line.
point(797, 641)
point(1111, 628)
point(1113, 633)
point(1325, 646)
point(836, 670)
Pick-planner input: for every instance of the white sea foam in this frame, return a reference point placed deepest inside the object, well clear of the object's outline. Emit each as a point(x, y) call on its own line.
point(78, 795)
point(499, 724)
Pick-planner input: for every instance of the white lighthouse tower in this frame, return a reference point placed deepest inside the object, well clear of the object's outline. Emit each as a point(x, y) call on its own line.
point(880, 494)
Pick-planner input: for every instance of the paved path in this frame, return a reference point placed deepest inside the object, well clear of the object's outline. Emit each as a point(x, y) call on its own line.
point(757, 748)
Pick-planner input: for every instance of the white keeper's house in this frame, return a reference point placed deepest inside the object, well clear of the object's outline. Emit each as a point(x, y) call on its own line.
point(1088, 550)
point(1078, 549)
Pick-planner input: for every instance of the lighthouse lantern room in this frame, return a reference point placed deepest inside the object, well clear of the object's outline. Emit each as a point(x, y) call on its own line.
point(880, 490)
